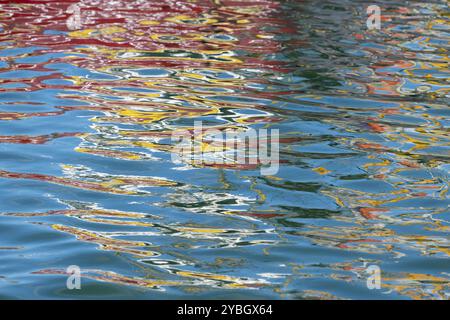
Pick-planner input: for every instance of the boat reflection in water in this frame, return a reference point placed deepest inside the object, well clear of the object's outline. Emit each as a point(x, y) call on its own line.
point(92, 93)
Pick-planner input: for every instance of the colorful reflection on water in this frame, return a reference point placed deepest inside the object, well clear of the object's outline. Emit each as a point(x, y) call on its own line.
point(86, 177)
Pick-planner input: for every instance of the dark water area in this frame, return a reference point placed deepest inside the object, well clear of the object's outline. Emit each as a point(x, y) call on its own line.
point(89, 103)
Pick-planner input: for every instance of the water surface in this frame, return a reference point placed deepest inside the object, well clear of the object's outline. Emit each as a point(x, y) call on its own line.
point(87, 179)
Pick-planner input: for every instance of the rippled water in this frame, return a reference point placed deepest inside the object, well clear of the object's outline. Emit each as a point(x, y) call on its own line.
point(86, 177)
